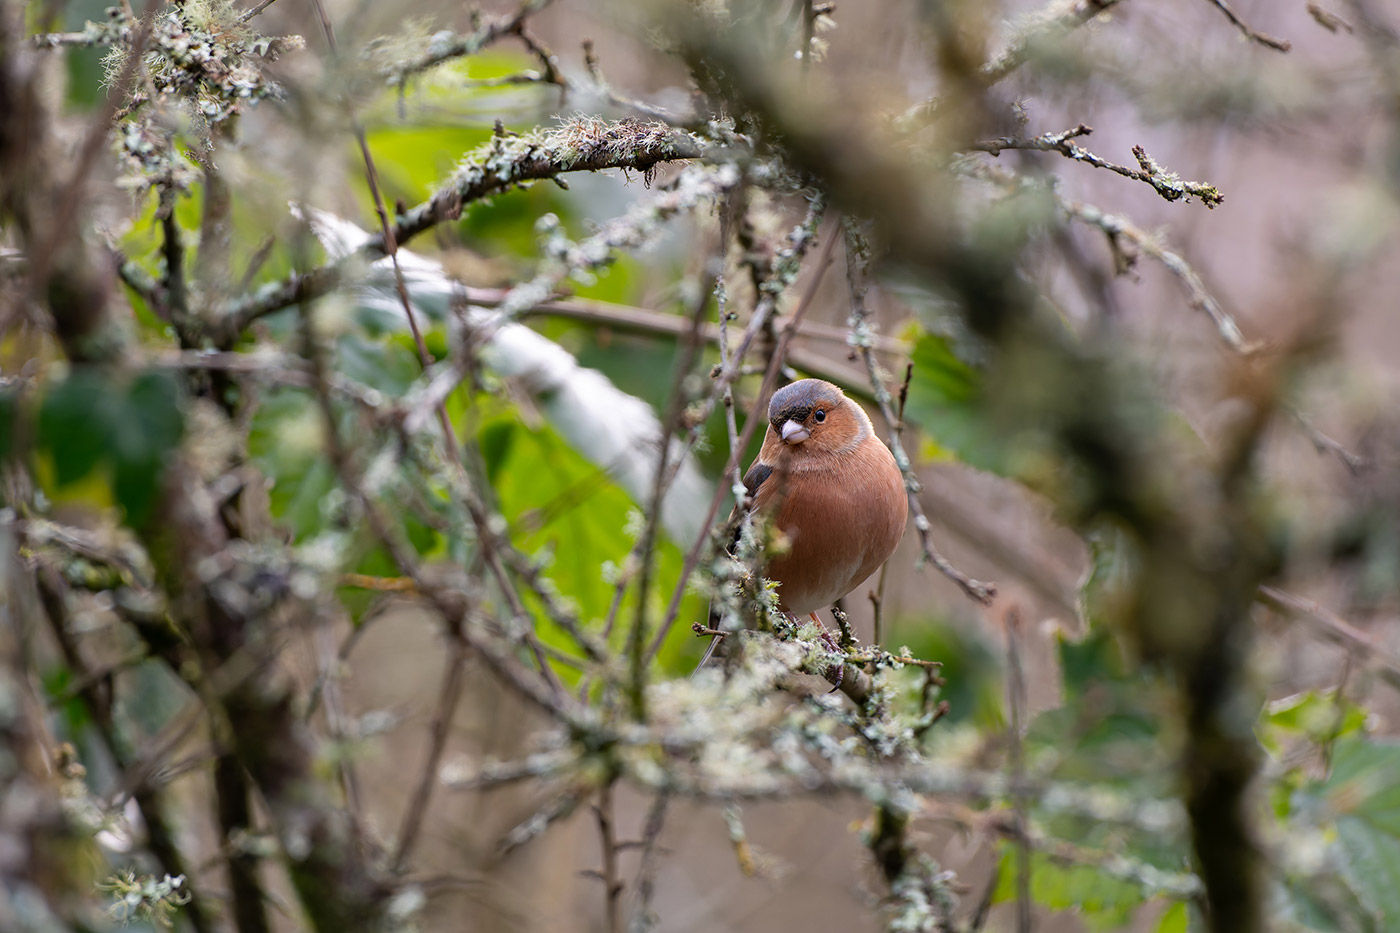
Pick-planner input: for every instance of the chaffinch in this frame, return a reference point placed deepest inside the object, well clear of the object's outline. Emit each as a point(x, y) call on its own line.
point(833, 490)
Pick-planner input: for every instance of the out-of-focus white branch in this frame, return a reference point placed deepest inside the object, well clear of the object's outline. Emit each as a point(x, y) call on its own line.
point(614, 430)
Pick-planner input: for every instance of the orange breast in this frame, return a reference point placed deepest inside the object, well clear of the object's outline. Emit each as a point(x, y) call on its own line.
point(843, 519)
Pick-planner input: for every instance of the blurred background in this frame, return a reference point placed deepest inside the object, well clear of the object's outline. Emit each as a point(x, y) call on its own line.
point(1301, 253)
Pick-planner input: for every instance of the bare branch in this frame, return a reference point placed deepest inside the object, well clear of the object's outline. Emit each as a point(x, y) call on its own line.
point(1250, 33)
point(1052, 23)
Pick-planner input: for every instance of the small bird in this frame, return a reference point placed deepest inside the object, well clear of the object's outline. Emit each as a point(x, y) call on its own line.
point(833, 490)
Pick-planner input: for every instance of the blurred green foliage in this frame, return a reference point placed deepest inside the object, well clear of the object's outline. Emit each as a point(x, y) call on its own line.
point(99, 436)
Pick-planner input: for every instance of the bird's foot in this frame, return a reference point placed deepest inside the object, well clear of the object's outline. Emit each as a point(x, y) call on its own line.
point(837, 673)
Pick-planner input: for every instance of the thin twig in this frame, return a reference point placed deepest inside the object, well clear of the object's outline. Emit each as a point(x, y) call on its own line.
point(262, 5)
point(1249, 32)
point(1354, 463)
point(460, 46)
point(478, 515)
point(612, 883)
point(1052, 23)
point(1333, 627)
point(449, 698)
point(646, 872)
point(975, 590)
point(1167, 184)
point(1016, 701)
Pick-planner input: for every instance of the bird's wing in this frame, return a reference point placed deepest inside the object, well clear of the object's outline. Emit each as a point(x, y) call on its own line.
point(755, 476)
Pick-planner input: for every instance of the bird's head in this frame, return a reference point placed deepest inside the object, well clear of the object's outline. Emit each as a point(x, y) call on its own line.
point(812, 415)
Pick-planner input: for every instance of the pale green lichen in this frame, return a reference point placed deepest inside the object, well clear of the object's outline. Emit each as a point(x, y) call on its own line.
point(145, 898)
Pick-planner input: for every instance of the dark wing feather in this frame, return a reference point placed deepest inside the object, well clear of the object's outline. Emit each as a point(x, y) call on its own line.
point(756, 475)
point(753, 479)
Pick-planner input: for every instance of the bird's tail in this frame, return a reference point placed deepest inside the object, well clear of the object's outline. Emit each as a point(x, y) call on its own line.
point(714, 641)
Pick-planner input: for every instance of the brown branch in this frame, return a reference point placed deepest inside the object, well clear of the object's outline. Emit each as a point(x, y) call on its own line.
point(449, 698)
point(1123, 236)
point(645, 884)
point(1327, 19)
point(461, 46)
point(1167, 184)
point(645, 551)
point(612, 884)
point(1334, 628)
point(1016, 765)
point(629, 319)
point(97, 698)
point(1249, 32)
point(861, 334)
point(1054, 22)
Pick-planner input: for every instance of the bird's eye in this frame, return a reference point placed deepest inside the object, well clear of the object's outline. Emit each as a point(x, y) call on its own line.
point(819, 416)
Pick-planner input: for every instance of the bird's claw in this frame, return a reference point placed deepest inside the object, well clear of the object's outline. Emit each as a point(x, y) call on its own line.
point(839, 673)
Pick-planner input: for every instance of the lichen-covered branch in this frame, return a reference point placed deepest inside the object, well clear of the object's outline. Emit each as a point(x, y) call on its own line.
point(583, 145)
point(1168, 184)
point(446, 46)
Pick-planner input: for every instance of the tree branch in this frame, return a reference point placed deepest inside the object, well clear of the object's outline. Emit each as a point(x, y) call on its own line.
point(578, 146)
point(1168, 184)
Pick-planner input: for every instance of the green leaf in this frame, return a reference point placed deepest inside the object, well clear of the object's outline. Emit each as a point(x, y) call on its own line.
point(386, 365)
point(495, 440)
point(1175, 919)
point(150, 427)
point(1313, 715)
point(1103, 901)
point(1109, 592)
point(1363, 792)
point(77, 419)
point(558, 504)
point(285, 443)
point(945, 401)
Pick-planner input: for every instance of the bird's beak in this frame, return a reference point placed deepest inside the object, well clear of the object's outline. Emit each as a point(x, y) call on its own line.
point(794, 433)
